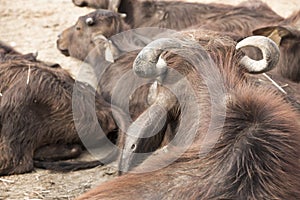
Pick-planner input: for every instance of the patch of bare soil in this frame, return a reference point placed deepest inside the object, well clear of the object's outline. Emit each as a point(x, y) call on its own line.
point(31, 25)
point(44, 184)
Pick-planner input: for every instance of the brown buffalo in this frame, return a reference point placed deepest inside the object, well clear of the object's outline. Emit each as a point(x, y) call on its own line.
point(146, 66)
point(179, 15)
point(246, 149)
point(37, 111)
point(157, 13)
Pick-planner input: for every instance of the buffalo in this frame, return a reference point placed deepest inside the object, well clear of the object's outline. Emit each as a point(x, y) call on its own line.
point(38, 120)
point(246, 149)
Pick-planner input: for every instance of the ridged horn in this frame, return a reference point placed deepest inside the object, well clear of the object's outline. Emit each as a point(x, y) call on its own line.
point(269, 49)
point(149, 63)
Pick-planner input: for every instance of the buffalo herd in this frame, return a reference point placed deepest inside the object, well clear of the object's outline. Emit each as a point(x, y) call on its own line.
point(199, 101)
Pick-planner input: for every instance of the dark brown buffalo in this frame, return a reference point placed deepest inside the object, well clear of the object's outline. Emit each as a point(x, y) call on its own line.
point(179, 15)
point(283, 87)
point(157, 13)
point(148, 58)
point(37, 112)
point(254, 152)
point(240, 19)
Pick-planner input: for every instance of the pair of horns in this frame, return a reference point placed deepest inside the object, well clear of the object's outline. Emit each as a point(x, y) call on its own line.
point(149, 64)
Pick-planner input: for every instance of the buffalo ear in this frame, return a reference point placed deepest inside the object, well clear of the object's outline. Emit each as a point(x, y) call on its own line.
point(105, 44)
point(109, 52)
point(276, 33)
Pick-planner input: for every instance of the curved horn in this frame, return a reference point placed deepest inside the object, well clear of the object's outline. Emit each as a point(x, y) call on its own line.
point(143, 136)
point(89, 21)
point(149, 63)
point(269, 49)
point(146, 133)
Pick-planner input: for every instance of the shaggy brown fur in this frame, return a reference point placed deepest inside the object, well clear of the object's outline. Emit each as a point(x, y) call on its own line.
point(243, 19)
point(161, 13)
point(36, 110)
point(166, 14)
point(256, 155)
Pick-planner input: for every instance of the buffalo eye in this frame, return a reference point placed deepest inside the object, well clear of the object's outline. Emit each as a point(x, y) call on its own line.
point(89, 21)
point(78, 28)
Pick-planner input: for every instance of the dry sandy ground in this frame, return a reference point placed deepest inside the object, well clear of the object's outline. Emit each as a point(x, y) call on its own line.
point(33, 25)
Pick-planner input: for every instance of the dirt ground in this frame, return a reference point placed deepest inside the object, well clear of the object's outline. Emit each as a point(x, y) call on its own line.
point(33, 25)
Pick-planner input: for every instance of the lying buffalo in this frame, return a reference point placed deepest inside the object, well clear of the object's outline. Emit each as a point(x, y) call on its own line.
point(246, 149)
point(37, 116)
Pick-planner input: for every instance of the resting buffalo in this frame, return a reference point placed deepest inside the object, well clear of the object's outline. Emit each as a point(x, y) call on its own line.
point(247, 137)
point(37, 116)
point(143, 142)
point(158, 13)
point(179, 15)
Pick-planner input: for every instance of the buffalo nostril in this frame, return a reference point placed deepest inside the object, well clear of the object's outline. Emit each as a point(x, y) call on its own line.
point(59, 36)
